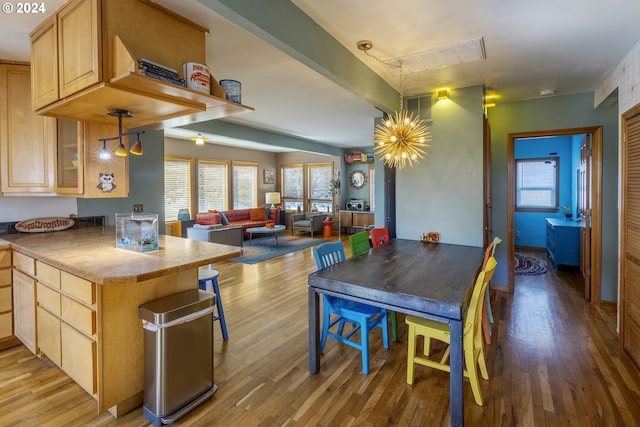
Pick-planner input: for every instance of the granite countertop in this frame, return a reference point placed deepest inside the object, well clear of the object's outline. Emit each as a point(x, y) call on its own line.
point(91, 253)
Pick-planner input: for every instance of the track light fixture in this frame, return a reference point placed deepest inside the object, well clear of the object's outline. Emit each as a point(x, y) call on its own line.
point(121, 150)
point(199, 139)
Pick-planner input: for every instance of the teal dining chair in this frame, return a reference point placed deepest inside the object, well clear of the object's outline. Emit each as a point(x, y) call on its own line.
point(338, 311)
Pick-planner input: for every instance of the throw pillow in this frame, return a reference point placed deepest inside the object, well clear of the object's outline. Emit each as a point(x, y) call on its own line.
point(223, 218)
point(257, 214)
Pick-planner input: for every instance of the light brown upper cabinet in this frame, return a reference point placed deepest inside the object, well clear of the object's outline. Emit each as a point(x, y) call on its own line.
point(26, 139)
point(98, 45)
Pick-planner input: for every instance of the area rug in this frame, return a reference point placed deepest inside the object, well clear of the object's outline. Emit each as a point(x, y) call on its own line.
point(529, 265)
point(264, 248)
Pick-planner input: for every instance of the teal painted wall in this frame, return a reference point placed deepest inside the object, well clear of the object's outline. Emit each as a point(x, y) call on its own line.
point(443, 192)
point(559, 112)
point(530, 227)
point(146, 184)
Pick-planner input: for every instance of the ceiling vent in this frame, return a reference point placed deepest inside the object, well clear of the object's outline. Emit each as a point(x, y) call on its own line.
point(442, 57)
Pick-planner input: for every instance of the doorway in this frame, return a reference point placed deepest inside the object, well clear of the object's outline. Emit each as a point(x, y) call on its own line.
point(592, 185)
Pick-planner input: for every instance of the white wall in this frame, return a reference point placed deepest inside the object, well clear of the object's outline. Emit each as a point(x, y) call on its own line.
point(19, 208)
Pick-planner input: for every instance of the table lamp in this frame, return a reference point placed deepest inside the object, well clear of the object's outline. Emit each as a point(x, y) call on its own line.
point(273, 198)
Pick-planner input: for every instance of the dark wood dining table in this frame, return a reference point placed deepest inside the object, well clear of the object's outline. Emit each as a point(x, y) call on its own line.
point(431, 280)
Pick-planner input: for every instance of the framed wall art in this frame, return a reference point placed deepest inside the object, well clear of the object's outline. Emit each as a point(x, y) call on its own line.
point(269, 176)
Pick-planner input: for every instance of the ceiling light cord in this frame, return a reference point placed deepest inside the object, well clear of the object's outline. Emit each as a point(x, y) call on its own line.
point(402, 138)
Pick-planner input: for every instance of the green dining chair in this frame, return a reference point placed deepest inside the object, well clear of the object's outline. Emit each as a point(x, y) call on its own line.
point(359, 243)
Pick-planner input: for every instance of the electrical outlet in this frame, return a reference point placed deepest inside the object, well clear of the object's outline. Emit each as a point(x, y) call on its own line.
point(518, 234)
point(138, 207)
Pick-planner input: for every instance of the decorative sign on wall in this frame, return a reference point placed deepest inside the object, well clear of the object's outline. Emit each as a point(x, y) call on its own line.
point(42, 225)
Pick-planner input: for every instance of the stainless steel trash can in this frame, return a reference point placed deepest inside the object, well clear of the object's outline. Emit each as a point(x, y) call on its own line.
point(178, 354)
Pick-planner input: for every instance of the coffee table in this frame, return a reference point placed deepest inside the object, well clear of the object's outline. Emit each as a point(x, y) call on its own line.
point(264, 230)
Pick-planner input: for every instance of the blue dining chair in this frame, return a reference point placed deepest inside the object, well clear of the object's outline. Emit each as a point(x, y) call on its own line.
point(365, 317)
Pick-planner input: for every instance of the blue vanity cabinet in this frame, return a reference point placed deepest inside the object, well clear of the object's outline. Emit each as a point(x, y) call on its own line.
point(563, 241)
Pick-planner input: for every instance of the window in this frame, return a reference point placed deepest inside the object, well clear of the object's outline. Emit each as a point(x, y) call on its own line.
point(177, 186)
point(372, 189)
point(537, 184)
point(245, 185)
point(319, 179)
point(213, 185)
point(291, 177)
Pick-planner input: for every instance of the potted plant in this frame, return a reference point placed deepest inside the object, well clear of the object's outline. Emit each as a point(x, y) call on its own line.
point(334, 191)
point(567, 211)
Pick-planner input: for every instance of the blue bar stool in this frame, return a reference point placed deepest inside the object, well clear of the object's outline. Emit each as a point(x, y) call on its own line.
point(208, 281)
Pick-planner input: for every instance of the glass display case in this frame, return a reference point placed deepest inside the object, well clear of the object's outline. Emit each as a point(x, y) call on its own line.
point(69, 166)
point(137, 232)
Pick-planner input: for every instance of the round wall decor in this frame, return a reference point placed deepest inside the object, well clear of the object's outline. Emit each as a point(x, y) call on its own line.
point(357, 179)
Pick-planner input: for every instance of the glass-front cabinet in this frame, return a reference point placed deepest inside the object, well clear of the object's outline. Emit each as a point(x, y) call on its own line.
point(70, 157)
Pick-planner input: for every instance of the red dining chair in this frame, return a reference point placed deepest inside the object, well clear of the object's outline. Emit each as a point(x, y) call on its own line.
point(379, 236)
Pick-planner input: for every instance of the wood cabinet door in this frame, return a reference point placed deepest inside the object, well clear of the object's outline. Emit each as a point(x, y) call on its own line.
point(630, 233)
point(44, 63)
point(79, 358)
point(49, 336)
point(79, 46)
point(24, 309)
point(26, 139)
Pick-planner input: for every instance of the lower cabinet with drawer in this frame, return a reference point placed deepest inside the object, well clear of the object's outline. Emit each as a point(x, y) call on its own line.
point(563, 241)
point(7, 339)
point(24, 297)
point(67, 324)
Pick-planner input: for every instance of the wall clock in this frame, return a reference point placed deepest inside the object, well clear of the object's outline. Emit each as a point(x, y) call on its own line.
point(357, 179)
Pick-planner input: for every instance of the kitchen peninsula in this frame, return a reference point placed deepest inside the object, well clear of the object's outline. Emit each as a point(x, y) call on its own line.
point(76, 299)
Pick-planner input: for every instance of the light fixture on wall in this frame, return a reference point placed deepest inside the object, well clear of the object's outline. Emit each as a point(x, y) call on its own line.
point(443, 93)
point(199, 139)
point(121, 150)
point(490, 101)
point(273, 198)
point(400, 138)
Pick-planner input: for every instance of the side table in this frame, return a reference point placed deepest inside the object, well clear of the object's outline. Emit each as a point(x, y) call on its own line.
point(328, 229)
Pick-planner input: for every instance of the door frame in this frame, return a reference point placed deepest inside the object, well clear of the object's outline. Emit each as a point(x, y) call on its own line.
point(596, 201)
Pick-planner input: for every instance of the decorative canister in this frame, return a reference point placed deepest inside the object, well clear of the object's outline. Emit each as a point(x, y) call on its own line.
point(197, 76)
point(233, 88)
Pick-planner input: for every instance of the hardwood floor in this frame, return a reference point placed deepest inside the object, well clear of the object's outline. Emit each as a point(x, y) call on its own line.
point(554, 361)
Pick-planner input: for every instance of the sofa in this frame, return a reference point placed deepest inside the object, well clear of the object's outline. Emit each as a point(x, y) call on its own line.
point(232, 236)
point(309, 222)
point(245, 218)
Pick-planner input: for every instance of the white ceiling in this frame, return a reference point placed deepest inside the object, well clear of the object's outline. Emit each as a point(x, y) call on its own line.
point(568, 46)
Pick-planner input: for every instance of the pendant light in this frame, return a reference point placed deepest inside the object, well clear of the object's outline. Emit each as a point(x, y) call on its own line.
point(401, 138)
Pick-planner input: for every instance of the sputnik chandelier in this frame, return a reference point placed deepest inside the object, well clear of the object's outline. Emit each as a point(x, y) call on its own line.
point(401, 138)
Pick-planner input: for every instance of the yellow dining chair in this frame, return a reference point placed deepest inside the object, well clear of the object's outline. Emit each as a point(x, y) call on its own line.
point(487, 314)
point(472, 339)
